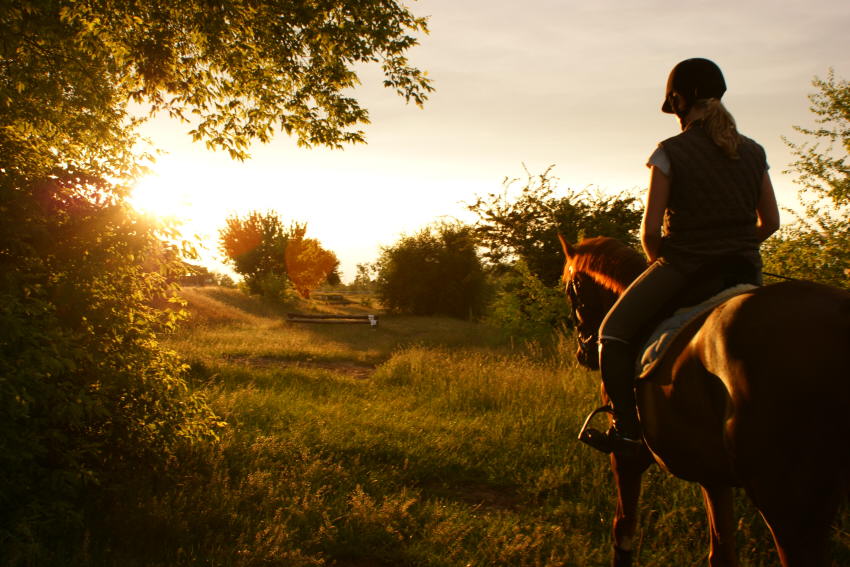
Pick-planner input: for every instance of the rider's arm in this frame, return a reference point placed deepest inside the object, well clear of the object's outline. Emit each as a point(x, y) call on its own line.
point(767, 210)
point(653, 214)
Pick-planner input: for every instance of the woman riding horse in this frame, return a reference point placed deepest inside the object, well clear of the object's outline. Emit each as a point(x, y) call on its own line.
point(711, 192)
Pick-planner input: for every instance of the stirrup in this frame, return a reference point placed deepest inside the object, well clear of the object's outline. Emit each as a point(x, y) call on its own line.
point(611, 441)
point(594, 437)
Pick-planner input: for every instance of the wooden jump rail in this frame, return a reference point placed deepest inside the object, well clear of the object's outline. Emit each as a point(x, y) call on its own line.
point(371, 320)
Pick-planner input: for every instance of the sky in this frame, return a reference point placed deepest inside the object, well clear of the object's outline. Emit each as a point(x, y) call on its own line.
point(520, 87)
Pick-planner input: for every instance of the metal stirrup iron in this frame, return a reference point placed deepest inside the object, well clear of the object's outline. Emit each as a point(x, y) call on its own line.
point(594, 437)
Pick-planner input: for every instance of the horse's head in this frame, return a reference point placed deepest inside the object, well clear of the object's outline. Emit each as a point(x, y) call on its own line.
point(590, 302)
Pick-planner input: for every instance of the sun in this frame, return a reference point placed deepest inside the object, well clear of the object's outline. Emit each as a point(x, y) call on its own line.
point(191, 201)
point(164, 196)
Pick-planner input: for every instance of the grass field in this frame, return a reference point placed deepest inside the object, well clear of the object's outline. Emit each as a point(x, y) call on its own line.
point(424, 442)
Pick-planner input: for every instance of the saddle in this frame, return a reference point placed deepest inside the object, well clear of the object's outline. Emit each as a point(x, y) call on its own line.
point(711, 285)
point(656, 346)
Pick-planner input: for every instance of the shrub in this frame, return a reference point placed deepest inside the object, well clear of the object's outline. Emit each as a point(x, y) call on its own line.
point(90, 398)
point(526, 227)
point(525, 308)
point(817, 245)
point(436, 271)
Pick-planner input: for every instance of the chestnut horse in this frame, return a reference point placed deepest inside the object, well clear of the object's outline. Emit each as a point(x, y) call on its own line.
point(755, 393)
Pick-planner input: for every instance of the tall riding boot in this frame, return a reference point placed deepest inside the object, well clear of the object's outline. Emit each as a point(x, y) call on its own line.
point(617, 364)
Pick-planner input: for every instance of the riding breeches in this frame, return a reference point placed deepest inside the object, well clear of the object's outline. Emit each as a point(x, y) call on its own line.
point(642, 301)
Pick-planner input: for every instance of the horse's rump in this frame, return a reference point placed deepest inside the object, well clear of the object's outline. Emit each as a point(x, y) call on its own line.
point(767, 372)
point(784, 355)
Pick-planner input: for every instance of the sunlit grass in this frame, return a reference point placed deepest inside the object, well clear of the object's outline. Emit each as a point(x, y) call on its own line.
point(421, 443)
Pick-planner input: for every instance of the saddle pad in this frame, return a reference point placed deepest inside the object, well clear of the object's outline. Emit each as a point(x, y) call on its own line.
point(657, 345)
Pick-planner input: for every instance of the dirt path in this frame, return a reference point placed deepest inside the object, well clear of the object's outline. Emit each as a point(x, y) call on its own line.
point(353, 369)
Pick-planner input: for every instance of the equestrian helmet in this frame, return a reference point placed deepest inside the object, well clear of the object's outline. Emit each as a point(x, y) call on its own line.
point(694, 79)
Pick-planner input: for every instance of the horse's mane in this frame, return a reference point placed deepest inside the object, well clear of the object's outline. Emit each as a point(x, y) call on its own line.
point(608, 261)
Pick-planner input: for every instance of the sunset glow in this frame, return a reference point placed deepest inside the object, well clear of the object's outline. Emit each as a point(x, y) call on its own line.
point(517, 87)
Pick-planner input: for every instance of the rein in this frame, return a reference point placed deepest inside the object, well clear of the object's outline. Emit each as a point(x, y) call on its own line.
point(781, 277)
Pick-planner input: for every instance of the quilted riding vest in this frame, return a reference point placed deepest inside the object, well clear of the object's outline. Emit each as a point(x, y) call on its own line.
point(711, 210)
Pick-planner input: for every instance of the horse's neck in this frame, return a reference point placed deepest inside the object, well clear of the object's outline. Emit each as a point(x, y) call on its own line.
point(614, 278)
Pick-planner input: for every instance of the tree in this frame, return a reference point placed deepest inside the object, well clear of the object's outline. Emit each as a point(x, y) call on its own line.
point(239, 68)
point(436, 271)
point(90, 397)
point(825, 172)
point(308, 265)
point(527, 227)
point(364, 280)
point(256, 245)
point(817, 245)
point(268, 255)
point(520, 238)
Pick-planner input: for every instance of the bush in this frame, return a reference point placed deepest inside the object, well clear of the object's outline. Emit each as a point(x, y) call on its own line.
point(90, 398)
point(527, 309)
point(526, 227)
point(520, 240)
point(436, 271)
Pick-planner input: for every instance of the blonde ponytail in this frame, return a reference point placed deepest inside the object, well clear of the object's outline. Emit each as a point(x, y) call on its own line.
point(720, 126)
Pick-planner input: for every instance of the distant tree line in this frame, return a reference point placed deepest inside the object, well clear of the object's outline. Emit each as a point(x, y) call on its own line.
point(506, 265)
point(196, 275)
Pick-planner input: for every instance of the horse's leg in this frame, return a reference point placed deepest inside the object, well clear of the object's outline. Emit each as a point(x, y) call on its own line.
point(796, 481)
point(799, 513)
point(627, 474)
point(721, 525)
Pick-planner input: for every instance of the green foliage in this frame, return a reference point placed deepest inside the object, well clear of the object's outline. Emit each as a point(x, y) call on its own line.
point(89, 394)
point(825, 171)
point(815, 249)
point(436, 271)
point(527, 227)
point(275, 288)
point(525, 308)
point(239, 69)
point(817, 245)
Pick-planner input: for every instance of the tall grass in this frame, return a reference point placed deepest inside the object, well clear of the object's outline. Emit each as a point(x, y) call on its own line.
point(449, 450)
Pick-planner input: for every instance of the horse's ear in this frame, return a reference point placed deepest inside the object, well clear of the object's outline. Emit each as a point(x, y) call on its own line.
point(568, 249)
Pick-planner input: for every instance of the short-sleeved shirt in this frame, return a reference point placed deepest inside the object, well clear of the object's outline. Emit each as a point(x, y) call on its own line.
point(660, 160)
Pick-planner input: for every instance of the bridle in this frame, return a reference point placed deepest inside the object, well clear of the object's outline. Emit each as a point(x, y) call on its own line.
point(587, 342)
